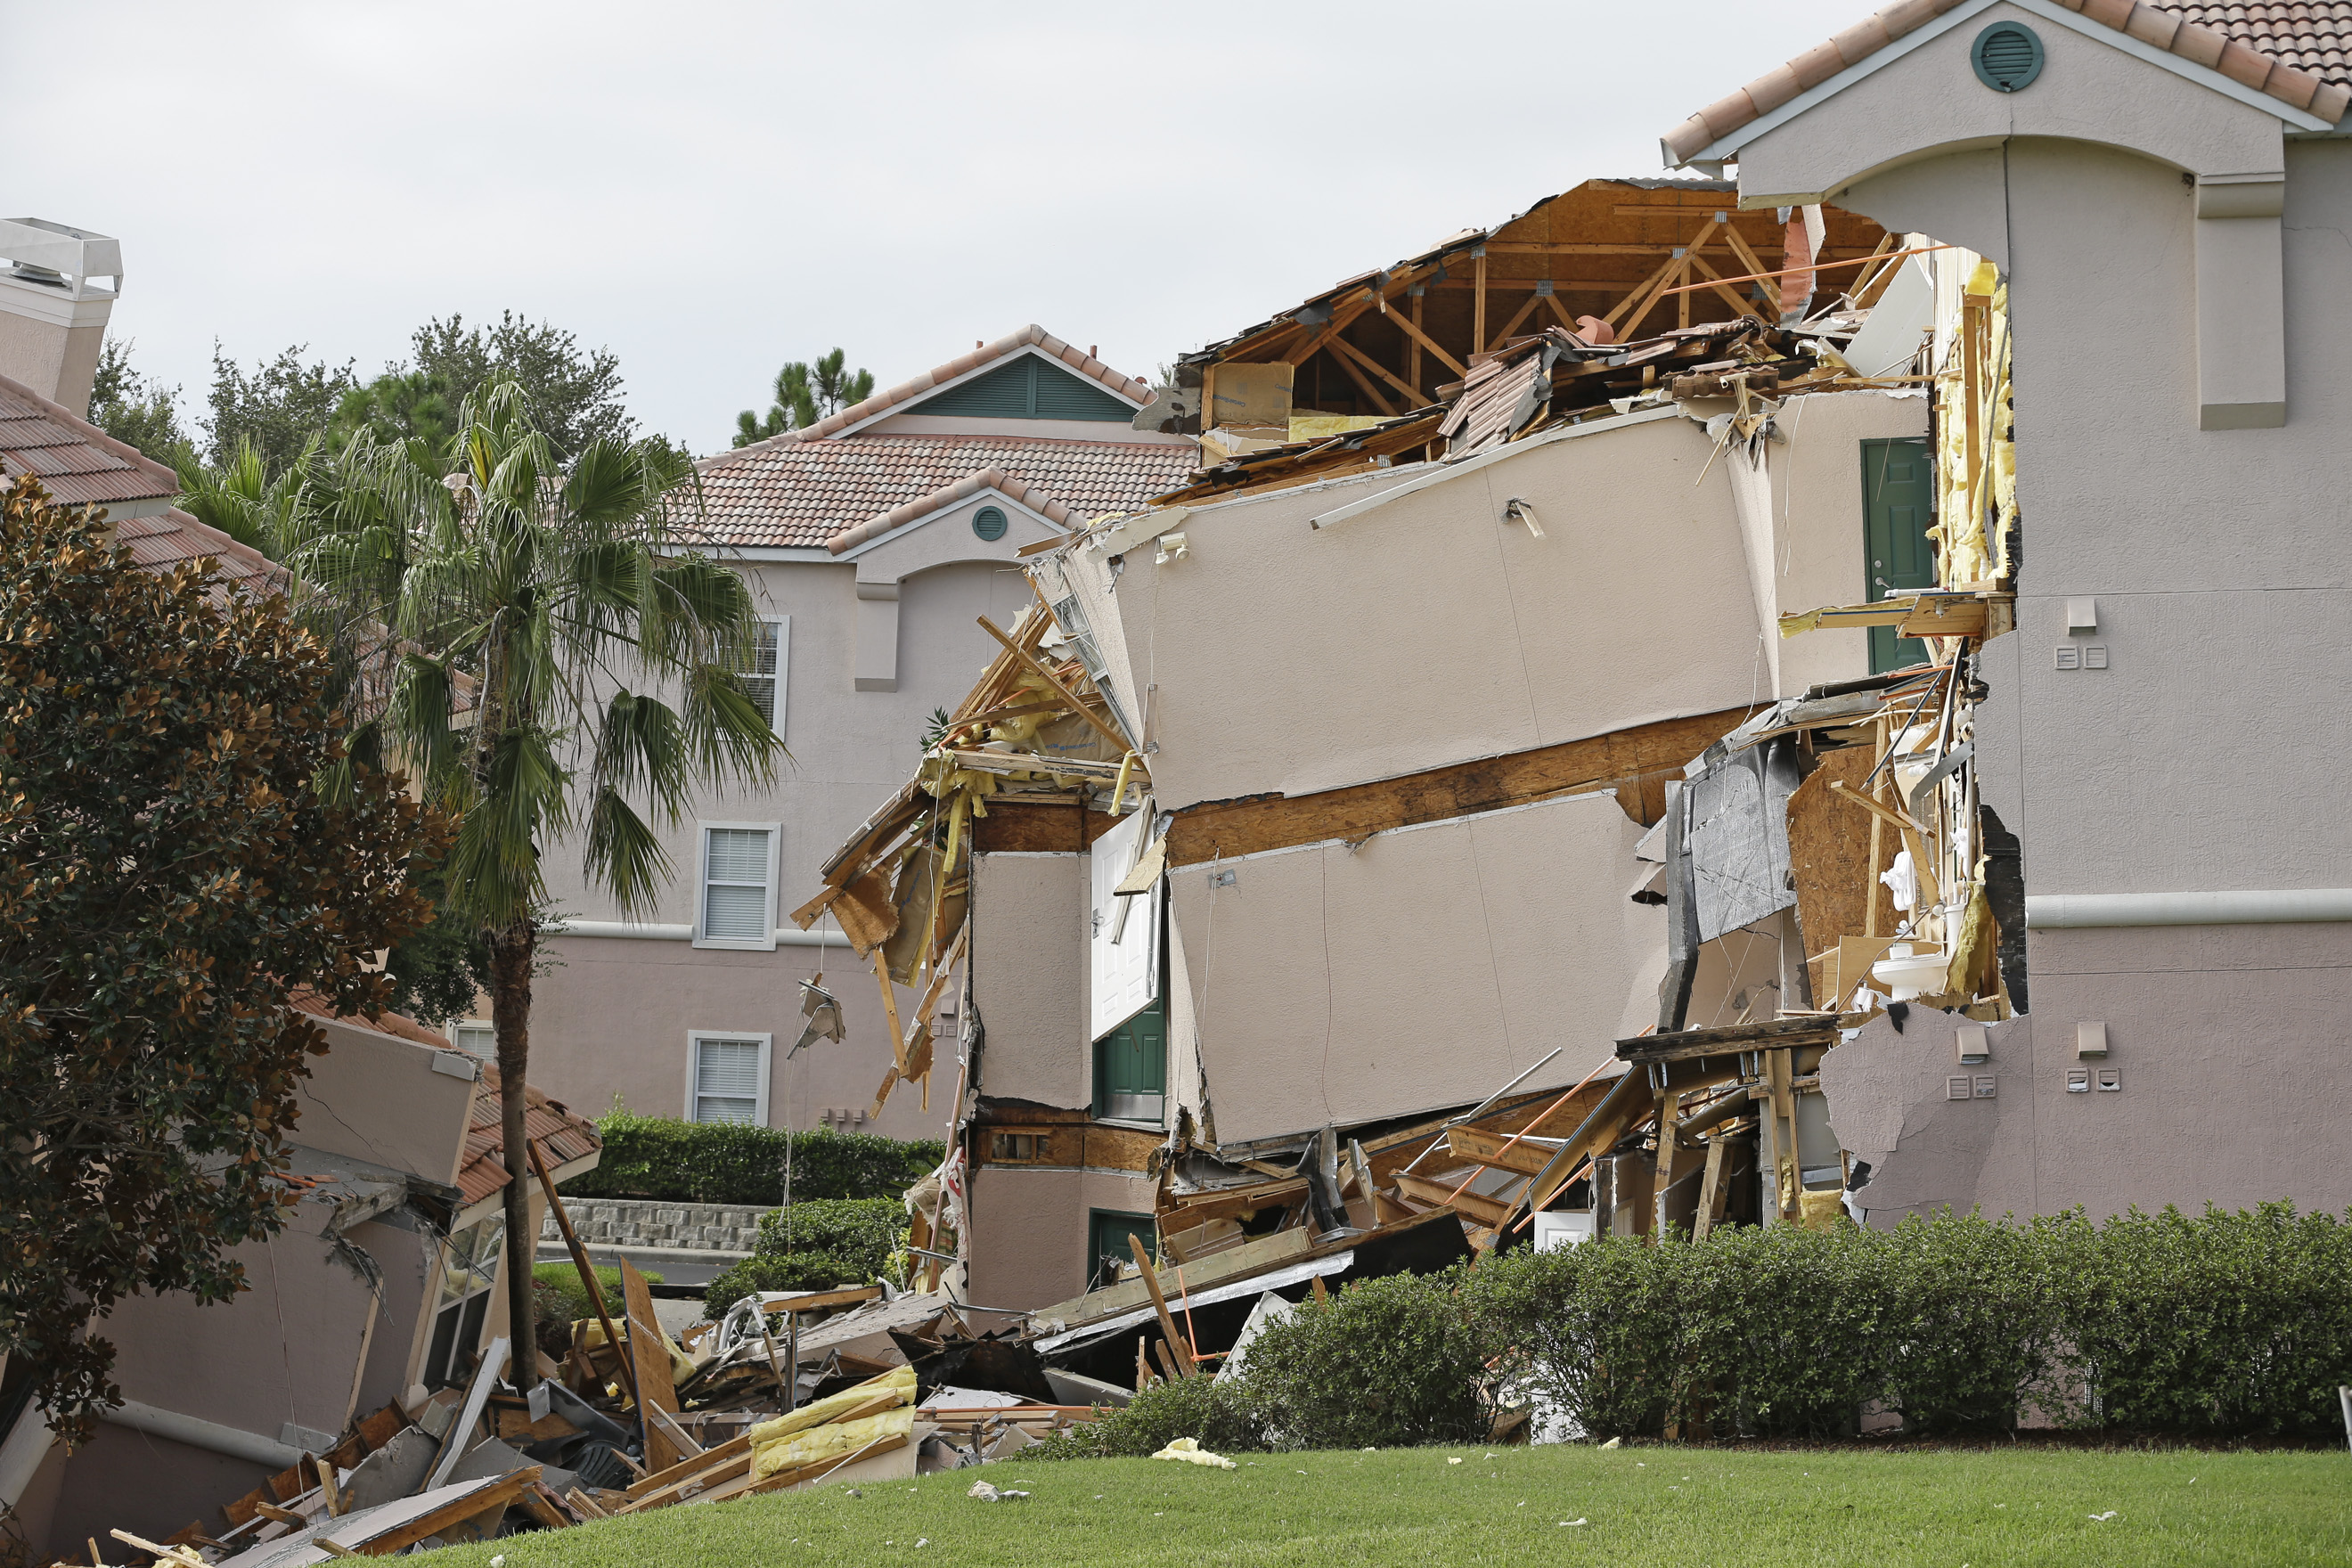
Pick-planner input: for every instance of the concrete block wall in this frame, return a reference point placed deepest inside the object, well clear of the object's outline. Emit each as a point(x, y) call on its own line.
point(659, 1225)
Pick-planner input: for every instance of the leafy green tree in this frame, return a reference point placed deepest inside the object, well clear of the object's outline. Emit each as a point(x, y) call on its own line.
point(524, 590)
point(806, 393)
point(437, 972)
point(134, 409)
point(279, 408)
point(573, 395)
point(398, 405)
point(170, 873)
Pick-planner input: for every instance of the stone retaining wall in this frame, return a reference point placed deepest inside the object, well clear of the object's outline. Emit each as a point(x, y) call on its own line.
point(657, 1224)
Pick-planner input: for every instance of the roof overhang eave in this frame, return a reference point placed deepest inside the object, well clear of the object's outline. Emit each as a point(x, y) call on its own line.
point(1726, 148)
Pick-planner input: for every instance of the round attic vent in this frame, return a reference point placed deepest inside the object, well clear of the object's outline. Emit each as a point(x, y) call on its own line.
point(2007, 57)
point(988, 523)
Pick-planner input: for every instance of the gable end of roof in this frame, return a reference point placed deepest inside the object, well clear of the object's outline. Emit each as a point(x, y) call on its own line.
point(2161, 27)
point(1031, 496)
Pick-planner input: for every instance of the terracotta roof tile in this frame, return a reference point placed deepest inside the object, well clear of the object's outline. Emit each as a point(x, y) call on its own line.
point(2297, 51)
point(806, 494)
point(561, 1134)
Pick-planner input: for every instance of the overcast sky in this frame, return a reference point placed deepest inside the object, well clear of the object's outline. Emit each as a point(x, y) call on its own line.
point(711, 189)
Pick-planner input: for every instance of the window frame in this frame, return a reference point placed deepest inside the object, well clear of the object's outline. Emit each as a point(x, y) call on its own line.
point(694, 1039)
point(766, 941)
point(778, 706)
point(456, 1024)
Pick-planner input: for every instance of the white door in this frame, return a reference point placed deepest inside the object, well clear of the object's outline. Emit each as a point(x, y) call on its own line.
point(1126, 931)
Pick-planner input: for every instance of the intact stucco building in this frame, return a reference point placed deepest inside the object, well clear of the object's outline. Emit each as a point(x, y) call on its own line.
point(873, 542)
point(2166, 191)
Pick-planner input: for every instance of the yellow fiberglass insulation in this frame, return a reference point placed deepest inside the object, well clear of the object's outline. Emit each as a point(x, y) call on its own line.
point(833, 1441)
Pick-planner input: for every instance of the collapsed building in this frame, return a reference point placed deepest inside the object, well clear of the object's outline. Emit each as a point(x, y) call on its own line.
point(1601, 798)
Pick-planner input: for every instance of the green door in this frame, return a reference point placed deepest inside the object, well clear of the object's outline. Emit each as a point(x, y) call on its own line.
point(1131, 1069)
point(1107, 1233)
point(1898, 497)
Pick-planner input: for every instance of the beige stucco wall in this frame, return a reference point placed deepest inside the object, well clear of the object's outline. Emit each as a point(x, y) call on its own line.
point(2221, 576)
point(614, 1015)
point(1425, 968)
point(1804, 526)
point(1030, 976)
point(1029, 1230)
point(1429, 631)
point(376, 1098)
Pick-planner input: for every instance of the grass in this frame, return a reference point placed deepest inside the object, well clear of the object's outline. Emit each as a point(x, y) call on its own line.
point(1651, 1507)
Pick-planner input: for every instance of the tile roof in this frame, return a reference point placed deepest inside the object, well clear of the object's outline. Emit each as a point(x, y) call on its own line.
point(73, 459)
point(2293, 52)
point(1028, 495)
point(805, 493)
point(1132, 387)
point(561, 1134)
point(2314, 35)
point(79, 463)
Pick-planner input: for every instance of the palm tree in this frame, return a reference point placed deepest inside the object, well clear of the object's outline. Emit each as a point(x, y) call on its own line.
point(241, 499)
point(523, 596)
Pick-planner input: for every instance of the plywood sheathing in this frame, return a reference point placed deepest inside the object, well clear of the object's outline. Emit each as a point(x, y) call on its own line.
point(1829, 852)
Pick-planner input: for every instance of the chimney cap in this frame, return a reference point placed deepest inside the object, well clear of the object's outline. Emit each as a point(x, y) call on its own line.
point(74, 254)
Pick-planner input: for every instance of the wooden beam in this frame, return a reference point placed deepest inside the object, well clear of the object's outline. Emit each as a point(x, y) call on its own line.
point(1421, 340)
point(1484, 1210)
point(1362, 385)
point(1711, 1190)
point(1201, 1208)
point(1479, 303)
point(1745, 307)
point(1036, 668)
point(1498, 1153)
point(1638, 303)
point(1670, 1106)
point(579, 1261)
point(1343, 346)
point(648, 1354)
point(1524, 311)
point(1178, 1344)
point(1229, 829)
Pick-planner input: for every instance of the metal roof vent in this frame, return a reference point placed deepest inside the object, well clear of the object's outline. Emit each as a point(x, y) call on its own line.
point(2007, 57)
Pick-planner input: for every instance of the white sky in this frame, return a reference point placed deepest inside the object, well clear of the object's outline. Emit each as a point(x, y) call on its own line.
point(711, 189)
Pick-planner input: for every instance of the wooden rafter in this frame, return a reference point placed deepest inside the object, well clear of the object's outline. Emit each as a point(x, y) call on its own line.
point(1745, 307)
point(1421, 340)
point(1524, 311)
point(1377, 368)
point(1362, 385)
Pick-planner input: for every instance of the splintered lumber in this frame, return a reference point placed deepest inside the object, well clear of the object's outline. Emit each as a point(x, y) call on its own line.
point(1500, 1154)
point(578, 1260)
point(650, 1357)
point(1485, 1210)
point(168, 1553)
point(582, 1503)
point(1229, 829)
point(539, 1503)
point(1198, 1208)
point(1712, 1189)
point(1159, 1304)
point(1037, 667)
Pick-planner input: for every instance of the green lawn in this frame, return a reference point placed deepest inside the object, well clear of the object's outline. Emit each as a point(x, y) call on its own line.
point(1654, 1508)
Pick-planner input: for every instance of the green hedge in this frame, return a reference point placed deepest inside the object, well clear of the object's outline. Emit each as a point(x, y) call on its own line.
point(2224, 1324)
point(1212, 1412)
point(1387, 1364)
point(736, 1163)
point(814, 1246)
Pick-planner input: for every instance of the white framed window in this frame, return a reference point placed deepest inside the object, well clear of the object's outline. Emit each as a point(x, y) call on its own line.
point(763, 667)
point(727, 1077)
point(738, 903)
point(476, 1037)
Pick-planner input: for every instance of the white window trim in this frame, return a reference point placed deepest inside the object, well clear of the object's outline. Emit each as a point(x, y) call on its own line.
point(458, 1024)
point(693, 1040)
point(783, 625)
point(766, 943)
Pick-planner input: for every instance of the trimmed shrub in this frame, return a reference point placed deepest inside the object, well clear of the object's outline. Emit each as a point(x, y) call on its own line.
point(2228, 1323)
point(737, 1163)
point(2224, 1324)
point(1215, 1414)
point(1388, 1363)
point(815, 1246)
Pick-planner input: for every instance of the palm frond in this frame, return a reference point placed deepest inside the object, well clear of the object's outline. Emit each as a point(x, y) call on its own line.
point(623, 855)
